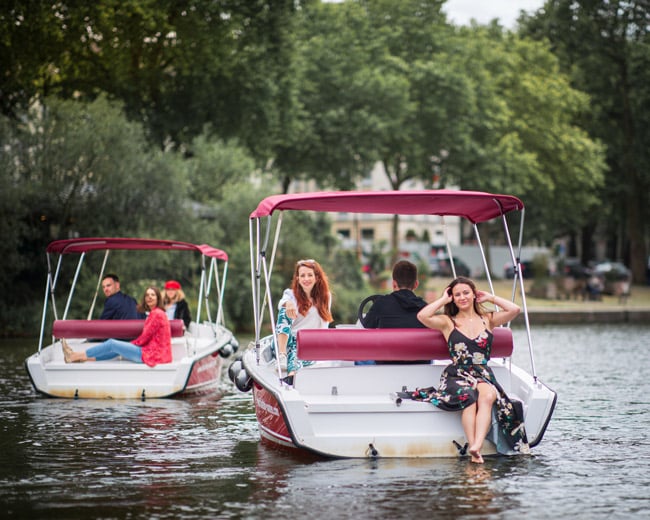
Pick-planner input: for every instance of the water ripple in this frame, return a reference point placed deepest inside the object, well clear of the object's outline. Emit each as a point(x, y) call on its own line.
point(201, 458)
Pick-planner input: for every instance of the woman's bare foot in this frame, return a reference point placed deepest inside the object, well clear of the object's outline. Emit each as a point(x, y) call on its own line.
point(477, 458)
point(68, 353)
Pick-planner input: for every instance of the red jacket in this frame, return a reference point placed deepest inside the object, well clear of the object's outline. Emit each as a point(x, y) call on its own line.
point(156, 339)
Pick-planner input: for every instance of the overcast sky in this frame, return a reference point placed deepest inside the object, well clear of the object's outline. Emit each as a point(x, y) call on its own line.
point(461, 12)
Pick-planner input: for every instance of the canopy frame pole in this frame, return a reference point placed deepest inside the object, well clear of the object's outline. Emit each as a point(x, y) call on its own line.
point(99, 284)
point(522, 289)
point(74, 285)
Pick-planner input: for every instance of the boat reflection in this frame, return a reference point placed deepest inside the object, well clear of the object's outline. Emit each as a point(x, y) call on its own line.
point(376, 488)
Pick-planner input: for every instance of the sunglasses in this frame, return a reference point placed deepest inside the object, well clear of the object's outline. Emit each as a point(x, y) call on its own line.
point(304, 262)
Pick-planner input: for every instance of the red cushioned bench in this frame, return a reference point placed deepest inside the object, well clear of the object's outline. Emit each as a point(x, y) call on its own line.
point(386, 344)
point(106, 328)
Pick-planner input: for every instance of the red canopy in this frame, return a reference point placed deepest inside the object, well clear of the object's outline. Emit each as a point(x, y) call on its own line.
point(475, 206)
point(82, 245)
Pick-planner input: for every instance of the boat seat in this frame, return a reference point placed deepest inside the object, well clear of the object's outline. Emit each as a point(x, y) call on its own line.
point(356, 344)
point(122, 329)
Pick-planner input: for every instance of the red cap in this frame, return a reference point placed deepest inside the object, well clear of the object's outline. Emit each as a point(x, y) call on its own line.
point(172, 284)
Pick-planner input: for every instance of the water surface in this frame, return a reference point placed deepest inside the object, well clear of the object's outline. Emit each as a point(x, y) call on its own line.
point(201, 458)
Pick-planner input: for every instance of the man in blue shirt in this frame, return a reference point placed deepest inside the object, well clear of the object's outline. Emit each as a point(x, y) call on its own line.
point(118, 306)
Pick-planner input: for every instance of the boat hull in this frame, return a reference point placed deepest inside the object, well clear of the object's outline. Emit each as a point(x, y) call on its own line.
point(345, 411)
point(196, 368)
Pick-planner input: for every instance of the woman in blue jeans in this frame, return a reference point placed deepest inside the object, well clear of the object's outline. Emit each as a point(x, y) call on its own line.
point(153, 346)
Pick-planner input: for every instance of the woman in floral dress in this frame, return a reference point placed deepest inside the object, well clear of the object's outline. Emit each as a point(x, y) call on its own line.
point(468, 383)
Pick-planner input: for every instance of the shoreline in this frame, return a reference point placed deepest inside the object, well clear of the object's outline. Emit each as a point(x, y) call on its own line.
point(592, 314)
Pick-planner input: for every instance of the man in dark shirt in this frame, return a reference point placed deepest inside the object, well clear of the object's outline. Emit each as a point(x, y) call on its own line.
point(398, 309)
point(118, 306)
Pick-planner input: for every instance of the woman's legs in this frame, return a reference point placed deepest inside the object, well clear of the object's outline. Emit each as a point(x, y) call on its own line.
point(109, 349)
point(480, 420)
point(468, 420)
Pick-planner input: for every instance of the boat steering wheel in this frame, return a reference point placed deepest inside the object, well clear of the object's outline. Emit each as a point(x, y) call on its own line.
point(361, 314)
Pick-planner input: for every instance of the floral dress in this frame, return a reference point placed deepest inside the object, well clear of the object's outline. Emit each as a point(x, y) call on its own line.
point(290, 327)
point(458, 390)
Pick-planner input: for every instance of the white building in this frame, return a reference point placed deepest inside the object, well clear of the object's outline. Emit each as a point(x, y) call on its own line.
point(358, 230)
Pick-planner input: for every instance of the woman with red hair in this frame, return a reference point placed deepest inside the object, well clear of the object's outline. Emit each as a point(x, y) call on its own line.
point(306, 305)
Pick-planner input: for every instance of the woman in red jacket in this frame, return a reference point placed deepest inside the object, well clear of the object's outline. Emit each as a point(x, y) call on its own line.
point(153, 346)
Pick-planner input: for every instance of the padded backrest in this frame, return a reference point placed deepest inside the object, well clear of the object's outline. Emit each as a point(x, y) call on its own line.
point(356, 344)
point(122, 329)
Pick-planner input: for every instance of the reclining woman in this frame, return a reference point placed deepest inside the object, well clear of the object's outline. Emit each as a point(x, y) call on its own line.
point(468, 383)
point(152, 347)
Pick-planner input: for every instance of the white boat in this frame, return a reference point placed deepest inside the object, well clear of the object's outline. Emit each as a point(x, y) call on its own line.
point(337, 408)
point(197, 352)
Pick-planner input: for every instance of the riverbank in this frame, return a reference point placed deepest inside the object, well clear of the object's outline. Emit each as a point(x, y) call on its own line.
point(635, 308)
point(557, 316)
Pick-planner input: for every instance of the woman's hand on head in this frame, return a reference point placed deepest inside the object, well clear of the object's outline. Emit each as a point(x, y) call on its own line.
point(447, 295)
point(482, 296)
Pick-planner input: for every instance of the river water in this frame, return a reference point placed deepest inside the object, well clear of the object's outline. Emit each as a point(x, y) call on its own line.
point(201, 458)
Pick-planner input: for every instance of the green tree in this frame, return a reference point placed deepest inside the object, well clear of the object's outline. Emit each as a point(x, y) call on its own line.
point(213, 167)
point(525, 137)
point(87, 169)
point(477, 108)
point(176, 65)
point(79, 169)
point(604, 47)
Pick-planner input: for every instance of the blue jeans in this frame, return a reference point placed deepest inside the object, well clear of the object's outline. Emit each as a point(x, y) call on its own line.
point(115, 347)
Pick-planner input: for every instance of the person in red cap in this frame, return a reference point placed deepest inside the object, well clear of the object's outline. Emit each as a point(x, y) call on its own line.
point(174, 302)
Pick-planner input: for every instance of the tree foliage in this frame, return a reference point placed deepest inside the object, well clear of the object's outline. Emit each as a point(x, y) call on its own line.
point(176, 65)
point(476, 108)
point(604, 47)
point(172, 118)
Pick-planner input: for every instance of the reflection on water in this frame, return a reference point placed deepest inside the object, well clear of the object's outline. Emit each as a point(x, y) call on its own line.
point(201, 457)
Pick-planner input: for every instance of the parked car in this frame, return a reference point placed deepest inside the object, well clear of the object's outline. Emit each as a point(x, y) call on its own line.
point(574, 268)
point(440, 265)
point(526, 269)
point(616, 277)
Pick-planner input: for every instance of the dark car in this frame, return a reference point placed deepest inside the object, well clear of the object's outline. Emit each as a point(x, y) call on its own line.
point(573, 268)
point(440, 265)
point(526, 269)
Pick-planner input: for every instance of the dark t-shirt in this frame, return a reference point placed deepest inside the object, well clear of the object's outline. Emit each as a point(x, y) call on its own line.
point(393, 311)
point(396, 310)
